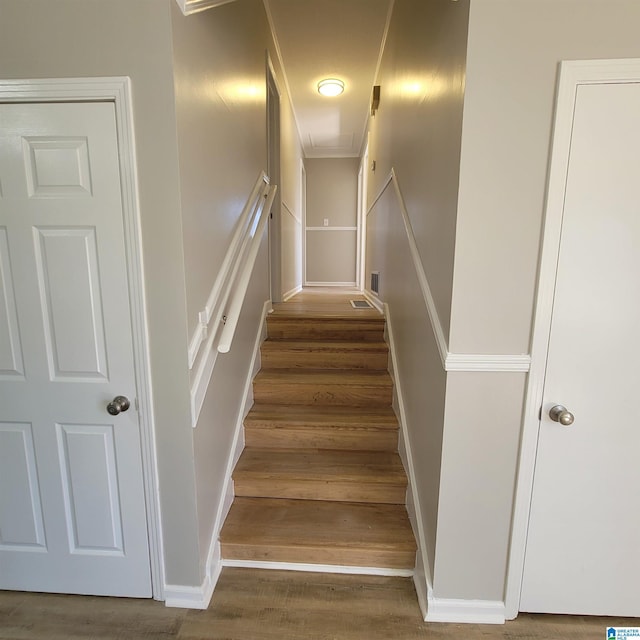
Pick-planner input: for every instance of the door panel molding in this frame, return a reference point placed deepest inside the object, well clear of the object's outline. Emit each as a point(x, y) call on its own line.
point(572, 74)
point(118, 91)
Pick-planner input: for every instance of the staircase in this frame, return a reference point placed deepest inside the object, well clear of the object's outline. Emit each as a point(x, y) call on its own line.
point(320, 480)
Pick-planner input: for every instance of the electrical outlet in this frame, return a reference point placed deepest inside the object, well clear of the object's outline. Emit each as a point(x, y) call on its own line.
point(326, 222)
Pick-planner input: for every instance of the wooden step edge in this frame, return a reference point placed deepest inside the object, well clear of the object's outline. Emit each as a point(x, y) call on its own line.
point(347, 569)
point(398, 479)
point(314, 317)
point(362, 492)
point(323, 438)
point(310, 425)
point(265, 415)
point(356, 556)
point(357, 377)
point(302, 344)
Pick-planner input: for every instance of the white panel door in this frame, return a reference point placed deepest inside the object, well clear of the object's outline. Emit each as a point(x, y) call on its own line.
point(72, 510)
point(583, 546)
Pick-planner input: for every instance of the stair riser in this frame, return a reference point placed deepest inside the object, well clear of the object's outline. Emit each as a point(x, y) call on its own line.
point(293, 359)
point(322, 438)
point(284, 329)
point(322, 394)
point(349, 557)
point(318, 490)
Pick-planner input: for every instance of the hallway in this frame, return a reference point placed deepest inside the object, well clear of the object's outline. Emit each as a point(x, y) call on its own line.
point(271, 605)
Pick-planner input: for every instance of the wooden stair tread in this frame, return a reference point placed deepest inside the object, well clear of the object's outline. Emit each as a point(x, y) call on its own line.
point(317, 532)
point(304, 344)
point(367, 329)
point(323, 304)
point(315, 354)
point(377, 467)
point(327, 427)
point(353, 377)
point(326, 312)
point(361, 388)
point(274, 416)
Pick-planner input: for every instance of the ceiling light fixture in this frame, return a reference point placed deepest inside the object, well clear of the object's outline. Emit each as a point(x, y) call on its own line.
point(330, 87)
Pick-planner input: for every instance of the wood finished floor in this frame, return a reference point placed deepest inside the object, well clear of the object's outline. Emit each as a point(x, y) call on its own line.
point(273, 605)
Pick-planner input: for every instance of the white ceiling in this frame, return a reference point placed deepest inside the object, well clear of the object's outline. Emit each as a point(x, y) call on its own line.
point(330, 38)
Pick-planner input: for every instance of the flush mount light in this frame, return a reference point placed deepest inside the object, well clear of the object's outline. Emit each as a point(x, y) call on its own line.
point(330, 87)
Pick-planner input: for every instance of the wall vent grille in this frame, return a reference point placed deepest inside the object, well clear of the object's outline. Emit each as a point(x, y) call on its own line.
point(375, 281)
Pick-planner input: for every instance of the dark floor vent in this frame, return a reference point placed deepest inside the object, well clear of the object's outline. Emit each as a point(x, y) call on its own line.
point(360, 304)
point(375, 281)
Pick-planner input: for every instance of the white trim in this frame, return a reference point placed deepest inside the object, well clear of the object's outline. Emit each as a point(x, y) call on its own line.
point(374, 300)
point(450, 361)
point(188, 597)
point(276, 45)
point(420, 583)
point(571, 75)
point(199, 336)
point(189, 7)
point(240, 283)
point(465, 611)
point(303, 215)
point(291, 293)
point(479, 362)
point(318, 568)
point(118, 89)
point(200, 382)
point(332, 228)
point(413, 499)
point(290, 212)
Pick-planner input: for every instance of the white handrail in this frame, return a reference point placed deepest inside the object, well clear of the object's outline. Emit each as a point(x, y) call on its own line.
point(249, 210)
point(247, 262)
point(228, 293)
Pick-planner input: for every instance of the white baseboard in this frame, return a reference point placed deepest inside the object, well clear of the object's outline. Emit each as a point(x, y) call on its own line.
point(465, 611)
point(374, 300)
point(318, 568)
point(188, 597)
point(291, 293)
point(420, 584)
point(422, 573)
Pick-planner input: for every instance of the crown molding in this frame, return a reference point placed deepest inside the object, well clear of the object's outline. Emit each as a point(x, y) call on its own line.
point(195, 6)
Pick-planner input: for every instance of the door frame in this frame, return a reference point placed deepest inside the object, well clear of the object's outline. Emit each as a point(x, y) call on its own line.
point(118, 91)
point(363, 180)
point(571, 75)
point(274, 170)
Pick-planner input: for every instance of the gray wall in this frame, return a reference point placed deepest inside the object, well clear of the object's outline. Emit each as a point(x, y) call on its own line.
point(219, 72)
point(332, 193)
point(201, 142)
point(417, 131)
point(292, 205)
point(472, 168)
point(79, 38)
